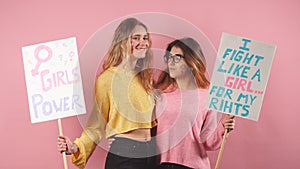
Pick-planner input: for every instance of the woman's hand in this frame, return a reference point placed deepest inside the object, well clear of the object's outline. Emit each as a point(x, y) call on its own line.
point(64, 144)
point(110, 141)
point(229, 122)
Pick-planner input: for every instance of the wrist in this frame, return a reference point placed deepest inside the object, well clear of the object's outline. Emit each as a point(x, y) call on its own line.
point(74, 148)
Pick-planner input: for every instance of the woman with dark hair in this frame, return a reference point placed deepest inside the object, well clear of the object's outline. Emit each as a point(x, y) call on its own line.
point(186, 129)
point(124, 104)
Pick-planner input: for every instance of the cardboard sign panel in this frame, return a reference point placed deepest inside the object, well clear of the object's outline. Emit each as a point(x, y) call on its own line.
point(53, 80)
point(240, 76)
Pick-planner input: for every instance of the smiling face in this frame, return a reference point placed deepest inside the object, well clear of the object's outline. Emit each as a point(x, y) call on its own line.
point(180, 69)
point(139, 42)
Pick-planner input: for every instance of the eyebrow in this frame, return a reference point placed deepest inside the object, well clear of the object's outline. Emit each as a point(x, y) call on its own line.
point(177, 54)
point(140, 34)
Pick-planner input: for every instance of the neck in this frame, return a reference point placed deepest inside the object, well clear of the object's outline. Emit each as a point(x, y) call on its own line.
point(128, 64)
point(186, 82)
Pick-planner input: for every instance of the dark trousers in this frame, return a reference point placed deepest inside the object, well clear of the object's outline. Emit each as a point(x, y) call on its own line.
point(172, 166)
point(130, 154)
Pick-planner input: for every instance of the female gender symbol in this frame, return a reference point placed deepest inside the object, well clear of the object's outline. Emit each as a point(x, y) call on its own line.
point(40, 60)
point(71, 54)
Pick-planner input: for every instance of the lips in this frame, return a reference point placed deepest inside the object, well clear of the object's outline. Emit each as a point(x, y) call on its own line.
point(141, 49)
point(172, 68)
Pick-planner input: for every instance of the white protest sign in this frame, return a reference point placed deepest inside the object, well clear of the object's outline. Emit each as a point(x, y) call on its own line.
point(53, 80)
point(240, 76)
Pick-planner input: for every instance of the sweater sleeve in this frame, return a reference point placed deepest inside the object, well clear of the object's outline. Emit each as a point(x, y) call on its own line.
point(212, 131)
point(214, 142)
point(95, 126)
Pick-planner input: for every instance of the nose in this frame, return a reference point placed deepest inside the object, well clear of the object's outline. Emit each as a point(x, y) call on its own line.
point(171, 62)
point(142, 41)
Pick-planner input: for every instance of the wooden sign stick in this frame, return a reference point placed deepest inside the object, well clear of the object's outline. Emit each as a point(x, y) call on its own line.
point(221, 149)
point(64, 153)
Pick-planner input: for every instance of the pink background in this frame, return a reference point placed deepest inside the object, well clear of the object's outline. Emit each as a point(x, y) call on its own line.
point(272, 142)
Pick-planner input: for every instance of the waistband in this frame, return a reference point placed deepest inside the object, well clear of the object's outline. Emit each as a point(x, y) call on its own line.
point(172, 166)
point(130, 148)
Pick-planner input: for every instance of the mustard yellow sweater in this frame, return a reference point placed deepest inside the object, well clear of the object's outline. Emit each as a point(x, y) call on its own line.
point(122, 105)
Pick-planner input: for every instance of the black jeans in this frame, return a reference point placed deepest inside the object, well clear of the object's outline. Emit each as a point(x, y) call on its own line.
point(130, 154)
point(172, 166)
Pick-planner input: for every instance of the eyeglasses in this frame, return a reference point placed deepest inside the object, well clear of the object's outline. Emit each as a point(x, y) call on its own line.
point(176, 58)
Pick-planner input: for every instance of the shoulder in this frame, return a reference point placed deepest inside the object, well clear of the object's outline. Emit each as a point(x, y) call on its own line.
point(203, 92)
point(106, 76)
point(202, 95)
point(104, 79)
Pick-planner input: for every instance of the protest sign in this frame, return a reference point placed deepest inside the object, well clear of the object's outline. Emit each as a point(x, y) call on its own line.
point(53, 80)
point(240, 76)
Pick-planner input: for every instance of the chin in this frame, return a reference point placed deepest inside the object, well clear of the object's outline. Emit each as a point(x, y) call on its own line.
point(140, 55)
point(172, 75)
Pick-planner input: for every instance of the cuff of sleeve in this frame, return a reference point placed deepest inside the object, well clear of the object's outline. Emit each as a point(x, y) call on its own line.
point(79, 159)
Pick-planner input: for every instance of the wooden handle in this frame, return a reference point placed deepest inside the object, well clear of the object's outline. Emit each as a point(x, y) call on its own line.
point(221, 149)
point(64, 153)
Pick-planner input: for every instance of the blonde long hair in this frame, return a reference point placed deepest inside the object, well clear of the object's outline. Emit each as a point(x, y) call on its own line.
point(194, 58)
point(121, 47)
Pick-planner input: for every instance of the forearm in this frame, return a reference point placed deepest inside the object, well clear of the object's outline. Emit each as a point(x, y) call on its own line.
point(214, 141)
point(85, 147)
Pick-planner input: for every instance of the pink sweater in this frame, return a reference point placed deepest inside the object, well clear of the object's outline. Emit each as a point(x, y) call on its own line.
point(186, 130)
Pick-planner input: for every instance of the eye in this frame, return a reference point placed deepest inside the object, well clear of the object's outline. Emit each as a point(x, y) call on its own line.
point(135, 37)
point(177, 58)
point(146, 38)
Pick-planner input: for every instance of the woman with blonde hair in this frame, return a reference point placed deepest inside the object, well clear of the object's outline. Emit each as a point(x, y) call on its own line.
point(186, 129)
point(124, 104)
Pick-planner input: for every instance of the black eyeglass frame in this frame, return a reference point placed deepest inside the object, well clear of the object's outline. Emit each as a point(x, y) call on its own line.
point(176, 58)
